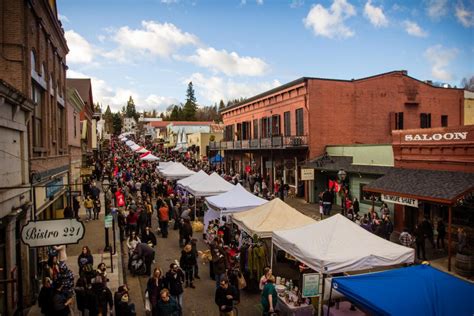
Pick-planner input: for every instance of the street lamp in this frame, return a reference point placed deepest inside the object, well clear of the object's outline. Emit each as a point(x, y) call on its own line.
point(106, 188)
point(342, 177)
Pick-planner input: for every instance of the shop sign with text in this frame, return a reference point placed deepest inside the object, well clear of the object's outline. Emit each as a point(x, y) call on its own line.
point(400, 200)
point(436, 137)
point(52, 232)
point(307, 174)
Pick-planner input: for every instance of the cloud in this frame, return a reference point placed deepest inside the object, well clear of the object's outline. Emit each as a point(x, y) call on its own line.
point(465, 16)
point(117, 97)
point(169, 1)
point(230, 64)
point(259, 2)
point(154, 38)
point(375, 15)
point(330, 22)
point(296, 4)
point(439, 58)
point(63, 18)
point(414, 29)
point(436, 8)
point(80, 50)
point(214, 88)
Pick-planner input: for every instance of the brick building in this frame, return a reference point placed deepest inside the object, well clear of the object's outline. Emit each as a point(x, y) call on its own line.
point(75, 106)
point(33, 64)
point(276, 131)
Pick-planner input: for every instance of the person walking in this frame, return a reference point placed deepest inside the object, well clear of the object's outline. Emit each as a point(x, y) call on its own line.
point(97, 208)
point(103, 297)
point(163, 219)
point(61, 302)
point(167, 305)
point(76, 205)
point(185, 232)
point(187, 263)
point(174, 280)
point(420, 243)
point(269, 296)
point(89, 205)
point(85, 261)
point(45, 297)
point(153, 289)
point(224, 298)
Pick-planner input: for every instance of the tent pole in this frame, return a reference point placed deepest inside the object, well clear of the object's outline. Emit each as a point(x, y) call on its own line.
point(449, 237)
point(330, 295)
point(271, 256)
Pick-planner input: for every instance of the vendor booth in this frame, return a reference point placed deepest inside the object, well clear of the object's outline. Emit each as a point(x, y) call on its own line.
point(213, 185)
point(417, 290)
point(148, 156)
point(272, 216)
point(197, 177)
point(336, 245)
point(176, 171)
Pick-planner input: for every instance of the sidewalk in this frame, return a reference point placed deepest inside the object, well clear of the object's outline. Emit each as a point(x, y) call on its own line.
point(94, 238)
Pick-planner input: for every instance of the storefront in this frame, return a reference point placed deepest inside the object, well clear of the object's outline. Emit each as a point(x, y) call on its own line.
point(445, 195)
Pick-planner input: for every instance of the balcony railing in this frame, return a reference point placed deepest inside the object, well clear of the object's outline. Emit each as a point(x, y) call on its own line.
point(278, 142)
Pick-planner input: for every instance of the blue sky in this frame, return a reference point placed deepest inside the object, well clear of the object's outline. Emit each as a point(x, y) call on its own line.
point(151, 49)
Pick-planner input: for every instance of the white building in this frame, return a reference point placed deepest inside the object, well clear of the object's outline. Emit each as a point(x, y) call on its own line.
point(129, 125)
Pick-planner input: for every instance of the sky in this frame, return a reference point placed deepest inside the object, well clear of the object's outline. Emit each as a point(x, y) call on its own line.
point(152, 49)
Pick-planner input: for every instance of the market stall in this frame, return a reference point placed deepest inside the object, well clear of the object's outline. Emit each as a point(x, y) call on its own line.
point(176, 171)
point(417, 290)
point(197, 177)
point(213, 185)
point(272, 216)
point(149, 157)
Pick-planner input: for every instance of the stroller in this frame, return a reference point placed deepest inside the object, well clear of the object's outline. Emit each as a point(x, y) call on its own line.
point(137, 265)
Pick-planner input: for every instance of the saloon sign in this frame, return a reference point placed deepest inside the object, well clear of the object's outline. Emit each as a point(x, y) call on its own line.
point(52, 232)
point(436, 137)
point(400, 200)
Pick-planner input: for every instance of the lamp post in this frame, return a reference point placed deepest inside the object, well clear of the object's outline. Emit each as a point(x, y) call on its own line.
point(342, 177)
point(106, 188)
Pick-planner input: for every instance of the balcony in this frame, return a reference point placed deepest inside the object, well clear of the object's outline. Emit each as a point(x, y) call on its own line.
point(275, 142)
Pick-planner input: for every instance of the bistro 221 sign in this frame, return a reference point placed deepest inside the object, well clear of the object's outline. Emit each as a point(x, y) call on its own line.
point(52, 232)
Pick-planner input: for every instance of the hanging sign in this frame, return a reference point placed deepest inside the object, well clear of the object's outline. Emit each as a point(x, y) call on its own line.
point(108, 221)
point(399, 200)
point(310, 285)
point(307, 174)
point(52, 232)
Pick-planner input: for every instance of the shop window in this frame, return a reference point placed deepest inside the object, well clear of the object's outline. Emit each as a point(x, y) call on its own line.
point(444, 121)
point(366, 197)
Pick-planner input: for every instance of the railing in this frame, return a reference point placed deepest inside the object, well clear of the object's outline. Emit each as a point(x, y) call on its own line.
point(279, 142)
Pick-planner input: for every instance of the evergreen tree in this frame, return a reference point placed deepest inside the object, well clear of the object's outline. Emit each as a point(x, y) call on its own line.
point(221, 105)
point(116, 123)
point(190, 107)
point(130, 110)
point(175, 114)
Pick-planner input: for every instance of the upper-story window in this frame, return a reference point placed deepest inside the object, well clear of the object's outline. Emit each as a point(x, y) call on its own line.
point(444, 121)
point(425, 120)
point(287, 123)
point(255, 129)
point(37, 95)
point(399, 120)
point(299, 122)
point(33, 60)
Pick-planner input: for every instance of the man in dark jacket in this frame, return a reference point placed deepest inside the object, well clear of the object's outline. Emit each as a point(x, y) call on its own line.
point(103, 298)
point(147, 253)
point(174, 280)
point(148, 237)
point(225, 296)
point(420, 242)
point(167, 305)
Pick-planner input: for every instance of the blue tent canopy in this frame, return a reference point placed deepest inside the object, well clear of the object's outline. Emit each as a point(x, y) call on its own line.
point(416, 290)
point(216, 159)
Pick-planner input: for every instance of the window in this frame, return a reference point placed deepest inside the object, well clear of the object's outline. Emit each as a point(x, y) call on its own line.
point(33, 61)
point(60, 125)
point(299, 122)
point(287, 123)
point(276, 125)
point(366, 197)
point(444, 121)
point(399, 120)
point(425, 120)
point(37, 96)
point(265, 126)
point(255, 129)
point(75, 125)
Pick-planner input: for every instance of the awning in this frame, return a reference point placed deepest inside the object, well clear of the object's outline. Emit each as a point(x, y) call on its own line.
point(443, 187)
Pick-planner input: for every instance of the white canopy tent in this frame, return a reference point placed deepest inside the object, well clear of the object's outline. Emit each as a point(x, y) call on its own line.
point(197, 177)
point(163, 165)
point(338, 245)
point(130, 143)
point(274, 215)
point(176, 171)
point(134, 147)
point(149, 157)
point(213, 185)
point(141, 150)
point(236, 200)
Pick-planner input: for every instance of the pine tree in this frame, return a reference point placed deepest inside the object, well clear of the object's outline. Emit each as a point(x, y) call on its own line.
point(131, 110)
point(190, 107)
point(116, 123)
point(221, 105)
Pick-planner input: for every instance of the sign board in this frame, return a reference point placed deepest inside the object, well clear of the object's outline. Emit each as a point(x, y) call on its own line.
point(436, 137)
point(54, 187)
point(310, 285)
point(52, 232)
point(307, 174)
point(108, 221)
point(400, 200)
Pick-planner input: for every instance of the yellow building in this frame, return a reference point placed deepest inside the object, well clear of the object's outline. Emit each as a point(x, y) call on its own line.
point(468, 108)
point(199, 142)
